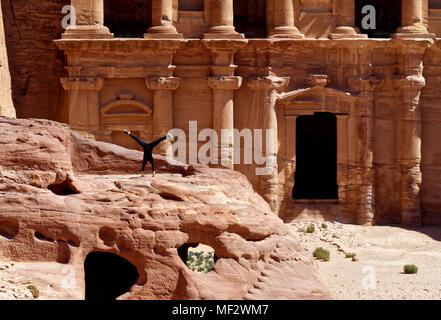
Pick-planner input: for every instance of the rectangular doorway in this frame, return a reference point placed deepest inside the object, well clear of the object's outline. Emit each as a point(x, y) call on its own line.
point(316, 157)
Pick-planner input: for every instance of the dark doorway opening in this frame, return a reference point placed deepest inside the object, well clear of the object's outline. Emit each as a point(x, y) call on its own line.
point(128, 18)
point(316, 154)
point(388, 17)
point(108, 276)
point(191, 5)
point(250, 18)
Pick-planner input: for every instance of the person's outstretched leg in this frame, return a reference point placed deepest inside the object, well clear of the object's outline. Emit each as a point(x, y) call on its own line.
point(140, 142)
point(155, 143)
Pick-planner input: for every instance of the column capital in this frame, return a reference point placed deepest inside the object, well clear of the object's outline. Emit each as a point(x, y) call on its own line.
point(163, 83)
point(268, 83)
point(225, 83)
point(91, 84)
point(365, 84)
point(415, 82)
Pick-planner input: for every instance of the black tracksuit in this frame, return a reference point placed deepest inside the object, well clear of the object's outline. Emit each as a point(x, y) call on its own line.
point(148, 148)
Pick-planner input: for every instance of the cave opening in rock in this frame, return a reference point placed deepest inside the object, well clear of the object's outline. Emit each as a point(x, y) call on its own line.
point(128, 18)
point(108, 276)
point(64, 188)
point(316, 154)
point(198, 257)
point(387, 17)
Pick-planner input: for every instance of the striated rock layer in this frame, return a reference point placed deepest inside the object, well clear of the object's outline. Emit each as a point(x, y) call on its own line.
point(64, 196)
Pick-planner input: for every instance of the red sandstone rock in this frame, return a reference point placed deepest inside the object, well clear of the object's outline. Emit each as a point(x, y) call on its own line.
point(61, 198)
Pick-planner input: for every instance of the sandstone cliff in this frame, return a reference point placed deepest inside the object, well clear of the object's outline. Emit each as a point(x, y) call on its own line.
point(6, 106)
point(60, 202)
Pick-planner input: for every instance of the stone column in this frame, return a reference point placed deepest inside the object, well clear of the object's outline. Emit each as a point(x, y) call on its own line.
point(267, 89)
point(89, 21)
point(222, 21)
point(162, 108)
point(412, 20)
point(410, 159)
point(223, 115)
point(366, 87)
point(84, 103)
point(345, 12)
point(162, 21)
point(284, 27)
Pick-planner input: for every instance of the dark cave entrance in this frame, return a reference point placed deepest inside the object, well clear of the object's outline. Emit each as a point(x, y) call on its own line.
point(316, 154)
point(250, 18)
point(128, 19)
point(388, 17)
point(108, 276)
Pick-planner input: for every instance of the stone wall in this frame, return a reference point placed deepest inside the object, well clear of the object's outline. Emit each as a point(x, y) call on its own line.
point(6, 106)
point(34, 61)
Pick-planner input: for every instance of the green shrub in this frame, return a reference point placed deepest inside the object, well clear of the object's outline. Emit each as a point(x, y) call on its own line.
point(324, 226)
point(34, 290)
point(310, 229)
point(350, 255)
point(322, 254)
point(200, 261)
point(410, 269)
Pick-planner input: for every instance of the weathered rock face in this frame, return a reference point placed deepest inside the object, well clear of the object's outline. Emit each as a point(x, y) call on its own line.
point(35, 63)
point(59, 203)
point(6, 106)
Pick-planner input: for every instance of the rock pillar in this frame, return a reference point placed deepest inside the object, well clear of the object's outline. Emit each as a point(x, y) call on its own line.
point(162, 88)
point(268, 88)
point(223, 115)
point(345, 12)
point(222, 21)
point(88, 21)
point(283, 21)
point(162, 21)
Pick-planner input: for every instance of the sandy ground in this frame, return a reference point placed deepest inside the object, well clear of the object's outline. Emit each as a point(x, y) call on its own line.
point(382, 252)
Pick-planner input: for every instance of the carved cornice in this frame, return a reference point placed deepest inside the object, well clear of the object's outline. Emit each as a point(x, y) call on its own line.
point(91, 84)
point(163, 83)
point(119, 45)
point(414, 82)
point(268, 83)
point(225, 83)
point(317, 80)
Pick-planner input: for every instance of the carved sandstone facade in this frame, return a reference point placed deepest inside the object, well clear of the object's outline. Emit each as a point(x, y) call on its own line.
point(367, 106)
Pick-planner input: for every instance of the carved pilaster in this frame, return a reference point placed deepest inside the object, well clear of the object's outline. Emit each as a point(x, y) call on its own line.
point(267, 89)
point(223, 115)
point(162, 88)
point(410, 158)
point(83, 97)
point(366, 87)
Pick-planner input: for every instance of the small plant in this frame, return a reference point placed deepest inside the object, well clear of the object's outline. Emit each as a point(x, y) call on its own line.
point(350, 255)
point(322, 254)
point(34, 290)
point(324, 226)
point(301, 230)
point(410, 269)
point(200, 261)
point(11, 281)
point(310, 229)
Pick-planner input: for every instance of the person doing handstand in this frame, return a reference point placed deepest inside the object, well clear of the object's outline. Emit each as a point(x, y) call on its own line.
point(148, 149)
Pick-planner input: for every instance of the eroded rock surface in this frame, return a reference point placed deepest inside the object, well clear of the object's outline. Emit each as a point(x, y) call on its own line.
point(63, 196)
